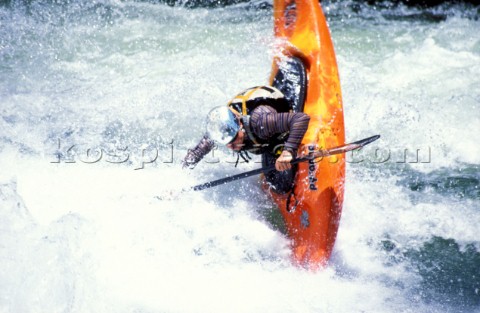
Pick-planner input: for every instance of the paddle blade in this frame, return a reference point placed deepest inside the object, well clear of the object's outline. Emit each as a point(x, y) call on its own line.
point(365, 141)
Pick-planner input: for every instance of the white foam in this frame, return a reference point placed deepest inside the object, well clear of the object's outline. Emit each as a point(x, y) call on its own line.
point(78, 237)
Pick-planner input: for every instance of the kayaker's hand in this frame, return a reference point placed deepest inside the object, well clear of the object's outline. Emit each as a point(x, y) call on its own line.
point(190, 160)
point(283, 161)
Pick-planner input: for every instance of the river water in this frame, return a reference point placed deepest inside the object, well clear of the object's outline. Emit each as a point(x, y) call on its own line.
point(99, 101)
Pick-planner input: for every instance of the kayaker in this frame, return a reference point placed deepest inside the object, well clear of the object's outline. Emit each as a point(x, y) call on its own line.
point(259, 121)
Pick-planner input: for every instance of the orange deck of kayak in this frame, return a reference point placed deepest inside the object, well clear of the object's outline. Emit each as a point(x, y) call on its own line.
point(301, 30)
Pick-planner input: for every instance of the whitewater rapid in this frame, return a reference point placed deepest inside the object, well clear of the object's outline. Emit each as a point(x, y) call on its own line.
point(99, 101)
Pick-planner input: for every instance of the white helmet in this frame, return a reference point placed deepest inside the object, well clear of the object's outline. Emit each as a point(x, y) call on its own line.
point(222, 125)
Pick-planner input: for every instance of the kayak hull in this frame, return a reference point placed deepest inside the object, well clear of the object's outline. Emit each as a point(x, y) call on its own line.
point(312, 211)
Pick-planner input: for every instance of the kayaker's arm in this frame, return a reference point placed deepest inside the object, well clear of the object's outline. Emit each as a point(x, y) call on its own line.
point(266, 123)
point(298, 125)
point(196, 154)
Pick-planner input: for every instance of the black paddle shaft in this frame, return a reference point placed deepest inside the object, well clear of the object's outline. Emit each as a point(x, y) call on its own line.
point(317, 154)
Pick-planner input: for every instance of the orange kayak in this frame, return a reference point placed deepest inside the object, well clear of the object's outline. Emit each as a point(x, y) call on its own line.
point(305, 69)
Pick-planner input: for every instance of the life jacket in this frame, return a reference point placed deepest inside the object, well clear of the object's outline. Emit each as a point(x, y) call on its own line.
point(247, 101)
